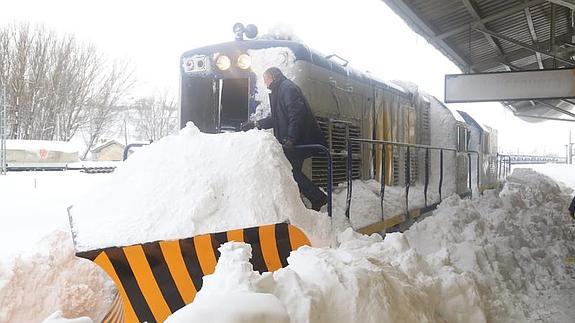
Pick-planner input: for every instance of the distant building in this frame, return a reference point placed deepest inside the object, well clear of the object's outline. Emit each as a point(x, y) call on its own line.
point(110, 150)
point(39, 154)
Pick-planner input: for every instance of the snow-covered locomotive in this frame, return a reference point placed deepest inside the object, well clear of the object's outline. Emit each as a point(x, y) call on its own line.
point(222, 86)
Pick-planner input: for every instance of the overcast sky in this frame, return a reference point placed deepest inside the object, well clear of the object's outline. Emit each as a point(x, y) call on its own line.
point(153, 34)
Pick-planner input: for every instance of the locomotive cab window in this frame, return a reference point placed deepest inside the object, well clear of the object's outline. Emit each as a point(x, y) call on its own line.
point(233, 103)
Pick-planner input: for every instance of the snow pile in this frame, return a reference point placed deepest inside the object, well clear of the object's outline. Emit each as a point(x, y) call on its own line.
point(518, 247)
point(564, 174)
point(492, 259)
point(230, 293)
point(34, 285)
point(194, 183)
point(366, 279)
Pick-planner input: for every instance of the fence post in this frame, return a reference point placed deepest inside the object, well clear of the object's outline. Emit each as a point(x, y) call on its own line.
point(440, 173)
point(469, 173)
point(407, 179)
point(478, 175)
point(382, 179)
point(349, 180)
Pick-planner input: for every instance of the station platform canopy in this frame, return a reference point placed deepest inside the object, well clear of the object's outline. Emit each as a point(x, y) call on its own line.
point(518, 52)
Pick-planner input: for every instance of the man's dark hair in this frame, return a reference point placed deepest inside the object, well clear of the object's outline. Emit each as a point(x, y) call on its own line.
point(275, 73)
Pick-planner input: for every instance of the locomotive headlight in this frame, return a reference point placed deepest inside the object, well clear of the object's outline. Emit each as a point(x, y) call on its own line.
point(189, 65)
point(244, 61)
point(223, 62)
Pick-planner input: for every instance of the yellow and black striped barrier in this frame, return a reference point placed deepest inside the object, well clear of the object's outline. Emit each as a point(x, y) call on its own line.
point(156, 279)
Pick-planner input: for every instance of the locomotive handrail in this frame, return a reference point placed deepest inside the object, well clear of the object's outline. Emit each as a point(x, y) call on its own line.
point(408, 147)
point(326, 151)
point(403, 144)
point(503, 165)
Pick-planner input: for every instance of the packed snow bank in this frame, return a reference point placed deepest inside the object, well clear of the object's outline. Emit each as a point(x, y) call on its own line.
point(194, 183)
point(562, 173)
point(51, 278)
point(230, 294)
point(497, 258)
point(518, 247)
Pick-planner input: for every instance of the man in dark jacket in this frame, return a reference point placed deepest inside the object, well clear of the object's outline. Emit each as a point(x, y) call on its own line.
point(293, 124)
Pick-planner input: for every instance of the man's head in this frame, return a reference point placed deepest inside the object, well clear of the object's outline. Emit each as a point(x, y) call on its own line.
point(272, 74)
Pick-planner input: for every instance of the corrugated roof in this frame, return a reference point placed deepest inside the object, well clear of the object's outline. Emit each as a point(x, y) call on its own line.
point(471, 33)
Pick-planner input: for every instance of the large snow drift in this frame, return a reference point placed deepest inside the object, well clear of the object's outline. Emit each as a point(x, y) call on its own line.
point(501, 257)
point(194, 183)
point(497, 258)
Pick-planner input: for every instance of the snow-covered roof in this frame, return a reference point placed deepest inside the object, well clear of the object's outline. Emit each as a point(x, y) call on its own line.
point(61, 146)
point(104, 145)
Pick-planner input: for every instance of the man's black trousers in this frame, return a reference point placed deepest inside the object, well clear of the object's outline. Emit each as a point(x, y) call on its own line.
point(306, 186)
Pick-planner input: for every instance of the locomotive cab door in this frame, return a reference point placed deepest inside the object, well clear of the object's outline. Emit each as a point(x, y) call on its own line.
point(215, 105)
point(233, 104)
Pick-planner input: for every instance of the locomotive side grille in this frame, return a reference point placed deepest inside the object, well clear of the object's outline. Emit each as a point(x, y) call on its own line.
point(425, 128)
point(414, 165)
point(396, 168)
point(336, 133)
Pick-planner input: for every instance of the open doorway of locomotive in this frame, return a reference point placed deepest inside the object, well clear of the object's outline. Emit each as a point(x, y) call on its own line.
point(233, 103)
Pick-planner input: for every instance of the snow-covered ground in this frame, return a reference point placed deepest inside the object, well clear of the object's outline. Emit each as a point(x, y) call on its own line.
point(501, 257)
point(562, 173)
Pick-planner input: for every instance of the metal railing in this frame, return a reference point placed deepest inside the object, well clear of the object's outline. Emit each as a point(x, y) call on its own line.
point(408, 147)
point(329, 188)
point(503, 165)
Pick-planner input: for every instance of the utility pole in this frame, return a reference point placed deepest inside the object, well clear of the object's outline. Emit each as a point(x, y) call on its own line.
point(3, 104)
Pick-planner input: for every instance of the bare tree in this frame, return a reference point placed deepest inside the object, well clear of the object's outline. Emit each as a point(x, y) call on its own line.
point(105, 105)
point(155, 116)
point(56, 85)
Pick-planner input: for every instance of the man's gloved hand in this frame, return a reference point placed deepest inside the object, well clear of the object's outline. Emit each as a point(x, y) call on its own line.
point(288, 144)
point(247, 125)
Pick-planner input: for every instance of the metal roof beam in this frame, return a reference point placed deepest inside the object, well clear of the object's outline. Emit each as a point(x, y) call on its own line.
point(565, 3)
point(423, 28)
point(533, 36)
point(526, 46)
point(471, 8)
point(552, 107)
point(487, 19)
point(515, 55)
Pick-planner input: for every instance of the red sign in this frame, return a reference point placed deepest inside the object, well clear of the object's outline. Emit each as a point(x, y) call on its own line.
point(43, 153)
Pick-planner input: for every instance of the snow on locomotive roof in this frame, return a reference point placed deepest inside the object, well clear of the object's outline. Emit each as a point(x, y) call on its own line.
point(36, 145)
point(301, 52)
